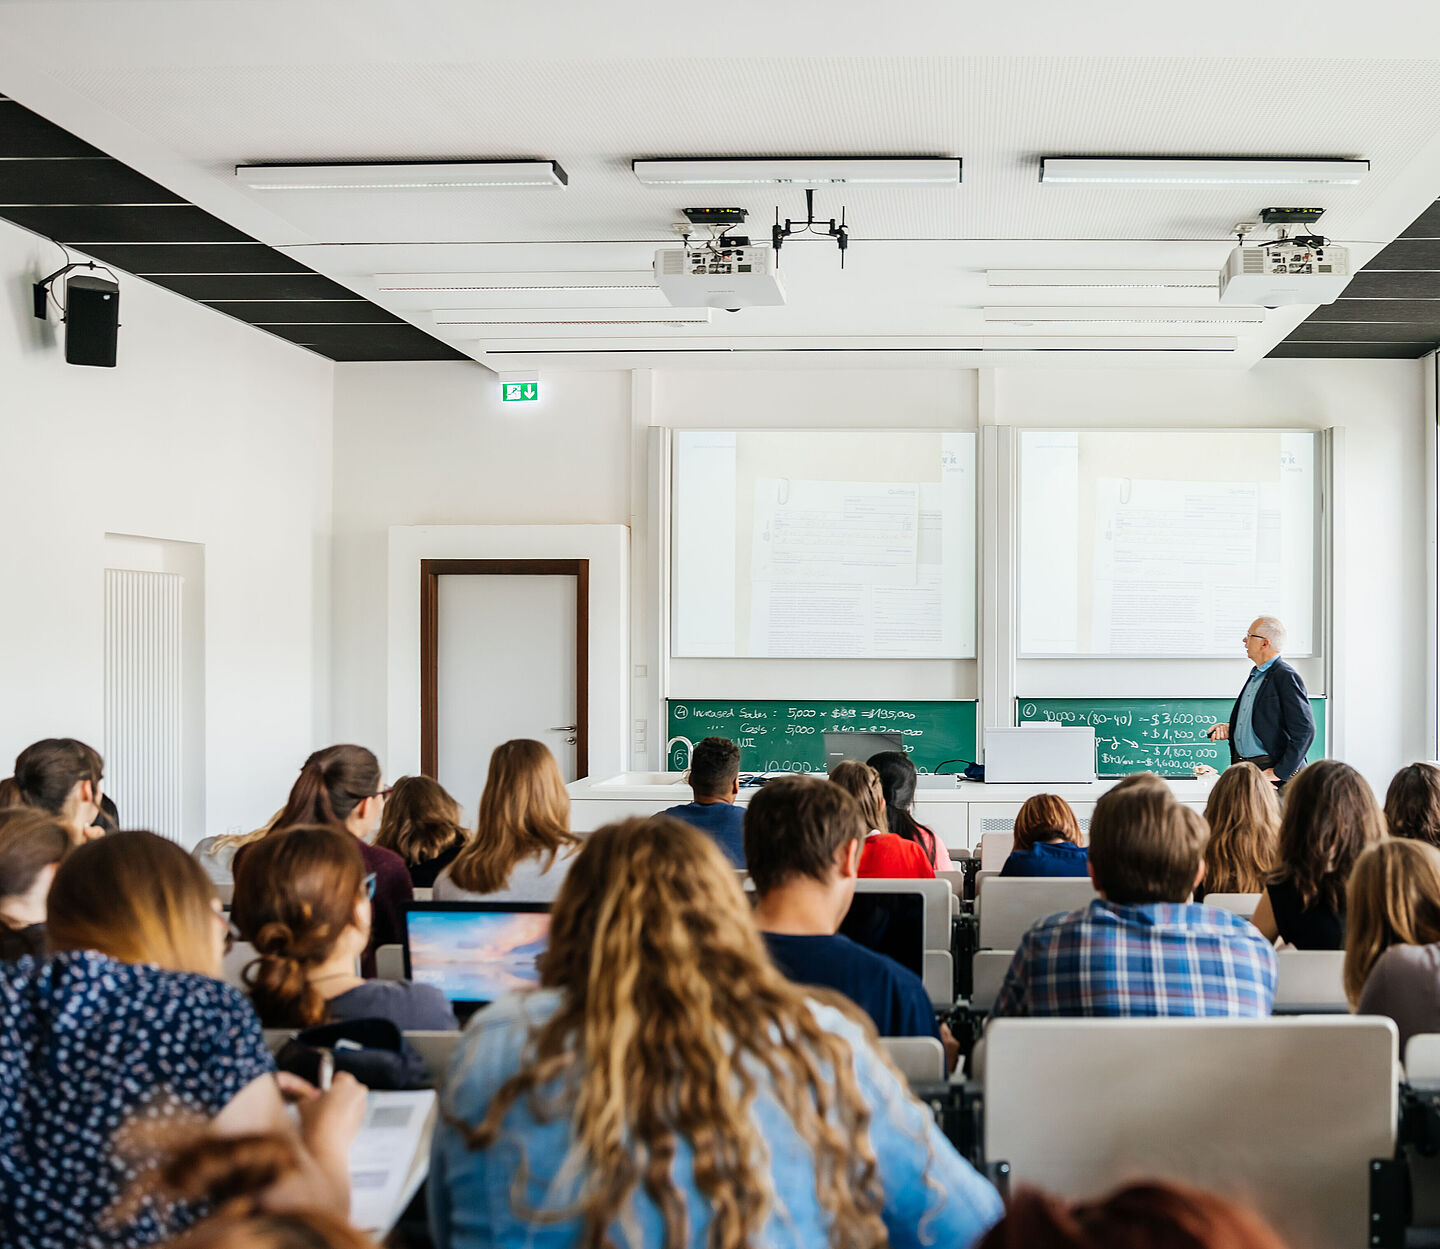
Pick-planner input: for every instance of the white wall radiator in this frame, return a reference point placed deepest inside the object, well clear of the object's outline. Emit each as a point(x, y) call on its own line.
point(144, 767)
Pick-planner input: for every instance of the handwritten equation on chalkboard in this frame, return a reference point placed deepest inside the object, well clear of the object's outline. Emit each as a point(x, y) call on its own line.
point(789, 736)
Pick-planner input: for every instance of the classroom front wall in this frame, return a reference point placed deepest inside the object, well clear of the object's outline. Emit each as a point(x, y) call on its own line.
point(429, 443)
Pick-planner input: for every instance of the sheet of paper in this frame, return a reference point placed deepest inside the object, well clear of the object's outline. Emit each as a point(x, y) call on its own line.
point(847, 532)
point(392, 1147)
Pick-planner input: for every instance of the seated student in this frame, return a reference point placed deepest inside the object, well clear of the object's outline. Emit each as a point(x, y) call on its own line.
point(422, 824)
point(1244, 818)
point(897, 783)
point(522, 845)
point(886, 855)
point(1330, 816)
point(1144, 1215)
point(1412, 803)
point(1392, 938)
point(62, 777)
point(1047, 840)
point(127, 1022)
point(666, 1087)
point(32, 844)
point(1142, 948)
point(340, 787)
point(217, 854)
point(301, 901)
point(715, 782)
point(802, 842)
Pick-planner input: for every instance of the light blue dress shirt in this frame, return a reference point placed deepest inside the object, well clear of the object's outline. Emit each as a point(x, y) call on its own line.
point(932, 1196)
point(1248, 745)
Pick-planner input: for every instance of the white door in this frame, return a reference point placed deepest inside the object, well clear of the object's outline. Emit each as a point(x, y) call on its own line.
point(505, 659)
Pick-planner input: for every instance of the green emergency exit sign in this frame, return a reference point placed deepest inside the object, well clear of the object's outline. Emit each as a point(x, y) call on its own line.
point(519, 392)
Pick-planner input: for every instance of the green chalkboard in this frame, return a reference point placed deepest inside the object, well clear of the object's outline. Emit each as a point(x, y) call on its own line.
point(1165, 735)
point(776, 735)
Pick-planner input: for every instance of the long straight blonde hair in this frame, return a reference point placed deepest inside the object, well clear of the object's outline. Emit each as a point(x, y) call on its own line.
point(1244, 818)
point(1394, 899)
point(524, 814)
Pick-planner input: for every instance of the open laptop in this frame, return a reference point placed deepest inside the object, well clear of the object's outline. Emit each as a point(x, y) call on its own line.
point(860, 745)
point(475, 952)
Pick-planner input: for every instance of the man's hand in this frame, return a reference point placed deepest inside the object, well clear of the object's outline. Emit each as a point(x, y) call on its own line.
point(1269, 774)
point(1219, 733)
point(952, 1047)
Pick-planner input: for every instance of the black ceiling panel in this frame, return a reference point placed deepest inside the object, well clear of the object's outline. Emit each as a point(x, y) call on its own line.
point(1355, 332)
point(147, 258)
point(62, 188)
point(1289, 350)
point(102, 181)
point(167, 223)
point(368, 342)
point(1419, 285)
point(1390, 310)
point(1426, 225)
point(1409, 254)
point(23, 133)
point(217, 287)
point(1412, 311)
point(354, 311)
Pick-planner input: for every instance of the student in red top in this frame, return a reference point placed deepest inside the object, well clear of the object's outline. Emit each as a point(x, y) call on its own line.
point(885, 855)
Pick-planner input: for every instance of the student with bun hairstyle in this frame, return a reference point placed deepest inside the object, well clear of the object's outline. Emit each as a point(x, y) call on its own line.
point(32, 844)
point(1144, 1215)
point(885, 854)
point(62, 776)
point(1047, 840)
point(340, 786)
point(897, 782)
point(522, 845)
point(127, 1023)
point(423, 825)
point(665, 1086)
point(301, 901)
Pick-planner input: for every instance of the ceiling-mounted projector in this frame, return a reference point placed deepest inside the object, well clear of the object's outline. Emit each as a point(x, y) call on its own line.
point(715, 275)
point(1291, 271)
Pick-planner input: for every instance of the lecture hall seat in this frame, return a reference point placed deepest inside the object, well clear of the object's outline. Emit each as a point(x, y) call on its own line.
point(1237, 903)
point(1285, 1113)
point(1310, 982)
point(1008, 905)
point(921, 1059)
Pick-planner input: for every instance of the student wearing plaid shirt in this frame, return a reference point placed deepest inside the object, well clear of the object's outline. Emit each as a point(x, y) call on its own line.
point(1141, 948)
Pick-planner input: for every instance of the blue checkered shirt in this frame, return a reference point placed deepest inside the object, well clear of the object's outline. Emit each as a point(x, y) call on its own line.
point(1152, 958)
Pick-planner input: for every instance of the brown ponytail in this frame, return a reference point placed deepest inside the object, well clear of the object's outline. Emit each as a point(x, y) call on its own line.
point(46, 771)
point(295, 894)
point(333, 782)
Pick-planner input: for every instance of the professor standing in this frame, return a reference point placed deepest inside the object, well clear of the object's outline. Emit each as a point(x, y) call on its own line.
point(1270, 724)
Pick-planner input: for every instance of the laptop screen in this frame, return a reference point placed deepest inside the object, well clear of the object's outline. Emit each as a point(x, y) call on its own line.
point(892, 924)
point(475, 952)
point(859, 745)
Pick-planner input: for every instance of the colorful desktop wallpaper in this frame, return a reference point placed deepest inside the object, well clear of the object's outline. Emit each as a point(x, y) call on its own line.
point(476, 956)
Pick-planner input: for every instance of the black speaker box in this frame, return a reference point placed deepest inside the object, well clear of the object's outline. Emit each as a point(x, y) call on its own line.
point(92, 320)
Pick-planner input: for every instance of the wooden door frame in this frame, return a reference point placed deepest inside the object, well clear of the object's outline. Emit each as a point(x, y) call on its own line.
point(431, 570)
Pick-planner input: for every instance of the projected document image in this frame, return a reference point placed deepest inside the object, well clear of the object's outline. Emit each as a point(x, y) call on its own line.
point(476, 957)
point(808, 544)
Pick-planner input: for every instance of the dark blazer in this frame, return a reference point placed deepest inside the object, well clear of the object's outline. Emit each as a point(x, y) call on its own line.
point(1281, 719)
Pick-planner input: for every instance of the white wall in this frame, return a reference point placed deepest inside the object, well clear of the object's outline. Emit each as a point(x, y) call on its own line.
point(430, 444)
point(208, 431)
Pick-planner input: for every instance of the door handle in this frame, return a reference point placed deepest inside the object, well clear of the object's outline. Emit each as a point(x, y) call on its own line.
point(564, 728)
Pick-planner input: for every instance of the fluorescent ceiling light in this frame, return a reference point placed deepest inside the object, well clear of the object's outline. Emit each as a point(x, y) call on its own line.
point(1165, 171)
point(458, 175)
point(610, 280)
point(1173, 278)
point(1125, 316)
point(450, 318)
point(804, 170)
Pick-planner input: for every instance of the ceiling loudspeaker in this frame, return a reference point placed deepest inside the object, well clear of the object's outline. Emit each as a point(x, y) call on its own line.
point(92, 320)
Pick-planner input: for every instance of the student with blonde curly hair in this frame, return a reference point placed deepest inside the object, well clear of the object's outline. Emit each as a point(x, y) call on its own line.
point(665, 1086)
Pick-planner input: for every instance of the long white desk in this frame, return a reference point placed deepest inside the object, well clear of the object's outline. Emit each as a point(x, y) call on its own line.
point(959, 814)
